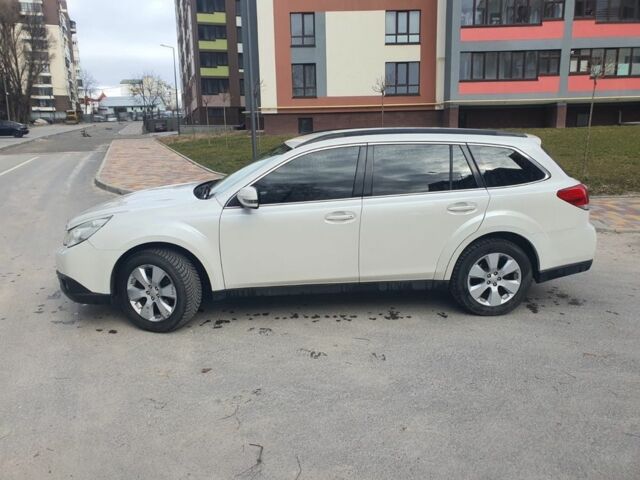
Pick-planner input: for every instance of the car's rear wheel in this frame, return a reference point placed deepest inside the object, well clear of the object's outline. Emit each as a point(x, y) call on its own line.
point(491, 277)
point(159, 289)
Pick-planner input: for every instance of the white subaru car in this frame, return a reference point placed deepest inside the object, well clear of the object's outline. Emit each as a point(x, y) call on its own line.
point(488, 212)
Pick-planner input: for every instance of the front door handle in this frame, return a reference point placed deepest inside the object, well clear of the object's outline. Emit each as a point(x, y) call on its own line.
point(462, 207)
point(340, 217)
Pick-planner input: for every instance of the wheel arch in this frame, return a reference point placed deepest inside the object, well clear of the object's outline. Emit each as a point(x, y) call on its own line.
point(202, 271)
point(525, 244)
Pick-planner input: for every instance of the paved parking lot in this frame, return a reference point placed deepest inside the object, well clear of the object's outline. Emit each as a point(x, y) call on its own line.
point(368, 386)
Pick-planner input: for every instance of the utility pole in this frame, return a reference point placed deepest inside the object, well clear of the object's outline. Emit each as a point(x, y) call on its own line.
point(6, 97)
point(175, 80)
point(250, 73)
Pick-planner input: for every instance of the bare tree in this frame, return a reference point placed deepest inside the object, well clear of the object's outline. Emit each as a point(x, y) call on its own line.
point(151, 90)
point(597, 71)
point(380, 87)
point(205, 101)
point(88, 90)
point(24, 56)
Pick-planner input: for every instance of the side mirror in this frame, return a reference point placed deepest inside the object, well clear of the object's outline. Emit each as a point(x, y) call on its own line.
point(248, 197)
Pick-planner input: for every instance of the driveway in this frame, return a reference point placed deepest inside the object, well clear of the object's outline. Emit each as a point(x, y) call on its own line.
point(369, 386)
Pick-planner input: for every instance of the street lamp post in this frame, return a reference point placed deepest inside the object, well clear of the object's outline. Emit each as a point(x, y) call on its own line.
point(175, 79)
point(6, 97)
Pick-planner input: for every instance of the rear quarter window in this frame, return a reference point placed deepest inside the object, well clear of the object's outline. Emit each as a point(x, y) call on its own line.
point(504, 167)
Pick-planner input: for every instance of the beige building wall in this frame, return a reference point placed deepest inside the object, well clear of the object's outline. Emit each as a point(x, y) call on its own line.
point(360, 35)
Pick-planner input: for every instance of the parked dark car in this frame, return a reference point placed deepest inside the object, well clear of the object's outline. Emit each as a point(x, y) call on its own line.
point(160, 127)
point(13, 128)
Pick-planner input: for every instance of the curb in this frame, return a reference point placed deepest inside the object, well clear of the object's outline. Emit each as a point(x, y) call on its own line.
point(31, 140)
point(222, 175)
point(105, 186)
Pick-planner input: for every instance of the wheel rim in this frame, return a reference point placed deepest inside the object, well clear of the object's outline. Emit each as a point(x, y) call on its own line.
point(494, 279)
point(151, 293)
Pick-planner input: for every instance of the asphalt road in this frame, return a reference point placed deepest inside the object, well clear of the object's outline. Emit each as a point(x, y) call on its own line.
point(385, 386)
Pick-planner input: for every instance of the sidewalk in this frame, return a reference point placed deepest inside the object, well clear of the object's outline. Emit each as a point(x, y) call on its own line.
point(41, 132)
point(136, 164)
point(616, 214)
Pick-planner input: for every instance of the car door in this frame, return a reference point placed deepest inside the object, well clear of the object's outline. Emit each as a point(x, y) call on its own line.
point(306, 228)
point(418, 199)
point(4, 128)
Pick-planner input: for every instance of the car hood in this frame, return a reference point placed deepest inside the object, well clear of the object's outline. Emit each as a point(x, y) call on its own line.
point(155, 198)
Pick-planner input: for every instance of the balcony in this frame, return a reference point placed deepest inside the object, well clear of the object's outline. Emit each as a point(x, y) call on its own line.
point(219, 18)
point(214, 72)
point(220, 45)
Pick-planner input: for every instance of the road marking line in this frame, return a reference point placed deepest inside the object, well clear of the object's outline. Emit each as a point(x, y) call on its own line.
point(18, 166)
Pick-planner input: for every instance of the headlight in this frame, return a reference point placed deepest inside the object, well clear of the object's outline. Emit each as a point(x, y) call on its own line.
point(83, 231)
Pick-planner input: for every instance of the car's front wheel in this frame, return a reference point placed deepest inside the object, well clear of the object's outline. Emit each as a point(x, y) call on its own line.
point(159, 289)
point(18, 134)
point(491, 277)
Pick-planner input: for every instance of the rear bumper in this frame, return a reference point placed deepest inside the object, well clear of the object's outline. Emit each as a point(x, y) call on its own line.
point(563, 271)
point(80, 294)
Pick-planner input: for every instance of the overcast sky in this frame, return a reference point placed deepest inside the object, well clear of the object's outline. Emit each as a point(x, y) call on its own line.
point(121, 39)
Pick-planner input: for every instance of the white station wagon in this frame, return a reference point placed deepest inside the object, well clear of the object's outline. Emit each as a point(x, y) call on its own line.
point(488, 212)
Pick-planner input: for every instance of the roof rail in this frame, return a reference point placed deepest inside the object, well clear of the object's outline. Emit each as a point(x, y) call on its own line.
point(336, 134)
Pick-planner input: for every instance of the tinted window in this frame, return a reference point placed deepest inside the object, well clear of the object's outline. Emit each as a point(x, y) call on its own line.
point(501, 167)
point(401, 169)
point(325, 175)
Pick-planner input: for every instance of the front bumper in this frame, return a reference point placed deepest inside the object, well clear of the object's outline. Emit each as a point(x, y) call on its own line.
point(80, 294)
point(88, 266)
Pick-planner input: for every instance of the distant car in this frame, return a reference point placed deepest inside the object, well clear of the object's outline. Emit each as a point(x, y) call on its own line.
point(99, 118)
point(15, 129)
point(487, 212)
point(160, 127)
point(112, 118)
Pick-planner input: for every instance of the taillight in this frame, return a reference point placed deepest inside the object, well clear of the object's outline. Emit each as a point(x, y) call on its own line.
point(577, 195)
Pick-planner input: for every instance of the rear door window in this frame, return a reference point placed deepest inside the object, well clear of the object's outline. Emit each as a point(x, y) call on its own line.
point(504, 167)
point(406, 169)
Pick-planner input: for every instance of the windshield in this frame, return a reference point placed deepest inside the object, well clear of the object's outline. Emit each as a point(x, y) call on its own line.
point(279, 150)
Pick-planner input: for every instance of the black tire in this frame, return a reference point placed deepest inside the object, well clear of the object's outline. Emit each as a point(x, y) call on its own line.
point(472, 254)
point(185, 278)
point(18, 135)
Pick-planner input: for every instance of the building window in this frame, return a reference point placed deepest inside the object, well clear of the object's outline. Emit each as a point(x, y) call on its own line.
point(618, 11)
point(241, 61)
point(213, 59)
point(402, 27)
point(26, 7)
point(553, 10)
point(215, 86)
point(42, 91)
point(585, 9)
point(502, 12)
point(210, 6)
point(239, 34)
point(303, 29)
point(304, 80)
point(402, 78)
point(518, 65)
point(305, 125)
point(212, 32)
point(242, 87)
point(549, 62)
point(615, 62)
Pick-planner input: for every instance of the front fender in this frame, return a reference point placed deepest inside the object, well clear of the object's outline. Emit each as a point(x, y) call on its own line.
point(201, 243)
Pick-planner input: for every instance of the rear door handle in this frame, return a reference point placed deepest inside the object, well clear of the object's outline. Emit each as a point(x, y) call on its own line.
point(462, 207)
point(340, 217)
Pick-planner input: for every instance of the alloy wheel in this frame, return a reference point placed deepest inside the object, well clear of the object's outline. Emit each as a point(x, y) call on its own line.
point(494, 279)
point(151, 293)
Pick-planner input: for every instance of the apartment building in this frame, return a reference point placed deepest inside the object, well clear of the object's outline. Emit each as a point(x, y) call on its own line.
point(531, 63)
point(211, 60)
point(56, 89)
point(322, 63)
